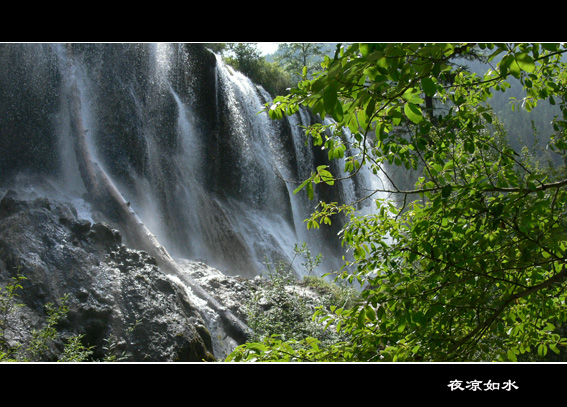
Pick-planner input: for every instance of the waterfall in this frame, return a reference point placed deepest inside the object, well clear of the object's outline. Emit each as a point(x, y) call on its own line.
point(182, 137)
point(268, 221)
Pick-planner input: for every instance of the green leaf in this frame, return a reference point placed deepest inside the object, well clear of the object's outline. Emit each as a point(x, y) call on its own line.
point(338, 112)
point(310, 190)
point(330, 98)
point(428, 86)
point(446, 191)
point(326, 177)
point(413, 112)
point(508, 64)
point(323, 175)
point(469, 146)
point(361, 319)
point(525, 62)
point(275, 112)
point(299, 188)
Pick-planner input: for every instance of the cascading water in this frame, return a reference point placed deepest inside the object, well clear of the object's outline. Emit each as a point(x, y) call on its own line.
point(180, 134)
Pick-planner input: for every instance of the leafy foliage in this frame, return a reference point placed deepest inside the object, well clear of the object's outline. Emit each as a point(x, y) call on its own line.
point(471, 265)
point(246, 58)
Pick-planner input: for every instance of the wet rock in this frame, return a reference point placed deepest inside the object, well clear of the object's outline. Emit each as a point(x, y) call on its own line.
point(115, 293)
point(80, 228)
point(10, 204)
point(102, 233)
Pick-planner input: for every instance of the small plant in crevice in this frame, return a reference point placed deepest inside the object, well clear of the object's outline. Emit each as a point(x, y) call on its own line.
point(310, 263)
point(43, 339)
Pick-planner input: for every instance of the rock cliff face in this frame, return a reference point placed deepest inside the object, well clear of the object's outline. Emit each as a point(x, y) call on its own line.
point(115, 293)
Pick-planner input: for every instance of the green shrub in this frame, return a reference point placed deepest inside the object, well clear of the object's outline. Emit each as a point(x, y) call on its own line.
point(283, 308)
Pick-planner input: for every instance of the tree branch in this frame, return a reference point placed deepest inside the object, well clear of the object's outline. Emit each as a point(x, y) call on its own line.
point(486, 324)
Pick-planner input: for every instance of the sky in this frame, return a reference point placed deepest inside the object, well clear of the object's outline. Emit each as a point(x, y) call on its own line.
point(267, 47)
